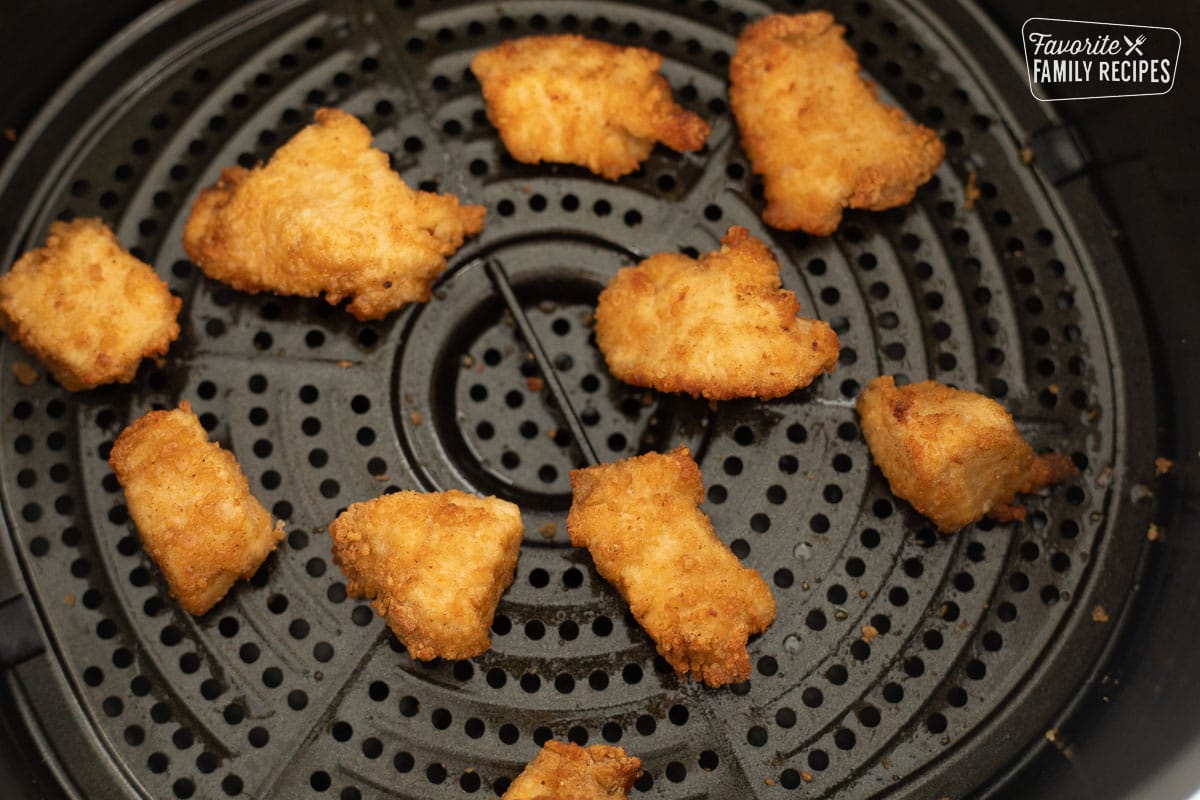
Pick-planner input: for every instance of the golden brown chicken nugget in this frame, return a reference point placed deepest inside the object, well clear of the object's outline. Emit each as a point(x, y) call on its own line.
point(328, 215)
point(720, 327)
point(956, 456)
point(578, 101)
point(816, 131)
point(640, 519)
point(434, 565)
point(564, 771)
point(86, 308)
point(192, 506)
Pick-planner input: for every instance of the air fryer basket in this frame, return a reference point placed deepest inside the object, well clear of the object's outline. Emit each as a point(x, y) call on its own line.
point(990, 279)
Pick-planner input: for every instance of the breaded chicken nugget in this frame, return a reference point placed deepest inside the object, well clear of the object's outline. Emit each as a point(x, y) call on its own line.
point(815, 130)
point(434, 565)
point(192, 506)
point(86, 308)
point(328, 215)
point(564, 771)
point(720, 327)
point(639, 518)
point(956, 456)
point(578, 101)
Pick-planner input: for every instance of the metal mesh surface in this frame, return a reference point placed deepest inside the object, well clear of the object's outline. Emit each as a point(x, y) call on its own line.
point(289, 689)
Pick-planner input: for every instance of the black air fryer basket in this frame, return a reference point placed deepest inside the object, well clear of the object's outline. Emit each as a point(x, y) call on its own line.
point(1045, 658)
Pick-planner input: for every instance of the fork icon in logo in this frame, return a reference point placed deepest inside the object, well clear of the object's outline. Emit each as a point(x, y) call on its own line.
point(1134, 47)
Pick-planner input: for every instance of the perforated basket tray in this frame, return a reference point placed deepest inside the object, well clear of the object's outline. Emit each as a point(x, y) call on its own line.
point(289, 689)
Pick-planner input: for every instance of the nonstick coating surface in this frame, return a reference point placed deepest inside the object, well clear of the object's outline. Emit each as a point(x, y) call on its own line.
point(289, 689)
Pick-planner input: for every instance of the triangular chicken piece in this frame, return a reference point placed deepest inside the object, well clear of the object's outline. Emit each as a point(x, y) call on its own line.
point(434, 565)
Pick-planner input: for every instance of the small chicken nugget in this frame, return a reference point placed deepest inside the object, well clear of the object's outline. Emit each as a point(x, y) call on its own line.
point(192, 506)
point(956, 456)
point(86, 308)
point(578, 101)
point(640, 520)
point(433, 565)
point(327, 215)
point(565, 771)
point(816, 131)
point(720, 327)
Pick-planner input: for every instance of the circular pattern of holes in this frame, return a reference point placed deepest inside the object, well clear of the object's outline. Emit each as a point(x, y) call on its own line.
point(976, 298)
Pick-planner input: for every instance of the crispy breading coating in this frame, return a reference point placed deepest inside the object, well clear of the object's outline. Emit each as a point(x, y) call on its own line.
point(565, 771)
point(192, 506)
point(579, 101)
point(86, 308)
point(640, 519)
point(720, 327)
point(816, 131)
point(434, 565)
point(956, 456)
point(328, 215)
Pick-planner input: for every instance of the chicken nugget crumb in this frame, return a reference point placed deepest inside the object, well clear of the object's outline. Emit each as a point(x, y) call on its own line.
point(328, 215)
point(25, 373)
point(816, 130)
point(719, 327)
point(806, 776)
point(548, 530)
point(1099, 614)
point(434, 565)
point(69, 599)
point(86, 308)
point(579, 101)
point(570, 772)
point(1163, 465)
point(640, 520)
point(345, 363)
point(535, 384)
point(869, 632)
point(1154, 532)
point(955, 455)
point(415, 417)
point(192, 506)
point(1026, 154)
point(971, 193)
